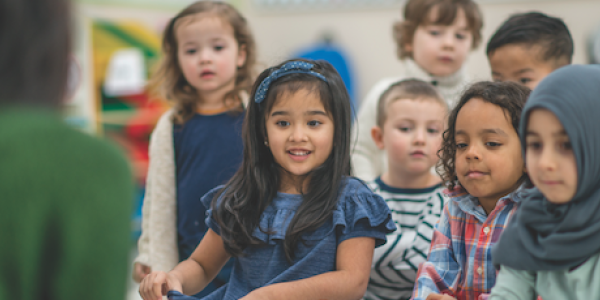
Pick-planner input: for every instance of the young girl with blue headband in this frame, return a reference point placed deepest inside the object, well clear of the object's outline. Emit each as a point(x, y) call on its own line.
point(552, 247)
point(299, 226)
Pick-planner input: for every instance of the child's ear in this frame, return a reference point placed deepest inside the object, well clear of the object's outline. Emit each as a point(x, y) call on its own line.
point(242, 54)
point(377, 135)
point(408, 48)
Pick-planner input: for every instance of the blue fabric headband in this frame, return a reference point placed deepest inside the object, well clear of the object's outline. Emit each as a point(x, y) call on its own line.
point(288, 68)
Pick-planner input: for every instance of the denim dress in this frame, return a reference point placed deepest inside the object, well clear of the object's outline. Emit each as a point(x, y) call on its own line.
point(359, 213)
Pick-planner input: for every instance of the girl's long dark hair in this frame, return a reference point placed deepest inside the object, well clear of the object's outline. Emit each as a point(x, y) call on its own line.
point(255, 184)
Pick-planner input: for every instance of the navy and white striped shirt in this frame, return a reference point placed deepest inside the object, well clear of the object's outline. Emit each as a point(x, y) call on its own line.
point(395, 264)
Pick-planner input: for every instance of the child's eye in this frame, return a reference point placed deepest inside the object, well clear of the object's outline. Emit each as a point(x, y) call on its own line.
point(461, 36)
point(534, 146)
point(492, 144)
point(190, 51)
point(218, 48)
point(432, 130)
point(566, 146)
point(434, 32)
point(404, 129)
point(525, 80)
point(461, 145)
point(314, 123)
point(283, 123)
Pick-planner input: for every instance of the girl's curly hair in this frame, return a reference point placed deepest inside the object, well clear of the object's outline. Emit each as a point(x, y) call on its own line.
point(509, 96)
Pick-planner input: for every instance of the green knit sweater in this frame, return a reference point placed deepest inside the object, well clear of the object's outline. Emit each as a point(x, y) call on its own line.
point(65, 205)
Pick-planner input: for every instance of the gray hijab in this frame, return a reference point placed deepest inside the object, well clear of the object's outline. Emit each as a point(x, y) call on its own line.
point(546, 236)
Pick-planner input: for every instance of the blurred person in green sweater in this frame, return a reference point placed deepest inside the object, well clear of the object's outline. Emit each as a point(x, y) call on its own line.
point(65, 197)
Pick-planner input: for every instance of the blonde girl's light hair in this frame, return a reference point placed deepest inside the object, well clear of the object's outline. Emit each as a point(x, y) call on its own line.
point(169, 82)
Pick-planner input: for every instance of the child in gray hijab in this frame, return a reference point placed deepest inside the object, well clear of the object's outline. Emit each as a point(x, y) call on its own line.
point(552, 247)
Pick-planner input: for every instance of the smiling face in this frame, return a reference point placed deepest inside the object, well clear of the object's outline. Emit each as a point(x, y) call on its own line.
point(488, 158)
point(441, 49)
point(299, 135)
point(520, 64)
point(411, 135)
point(550, 160)
point(208, 53)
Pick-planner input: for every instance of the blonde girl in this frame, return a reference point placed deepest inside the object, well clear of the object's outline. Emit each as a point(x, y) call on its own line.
point(206, 71)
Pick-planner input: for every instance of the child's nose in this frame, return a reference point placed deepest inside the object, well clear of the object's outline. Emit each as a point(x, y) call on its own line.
point(419, 137)
point(473, 152)
point(448, 40)
point(205, 56)
point(298, 134)
point(546, 161)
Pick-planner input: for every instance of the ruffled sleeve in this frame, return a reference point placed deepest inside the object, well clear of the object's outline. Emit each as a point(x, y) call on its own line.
point(207, 201)
point(361, 213)
point(274, 224)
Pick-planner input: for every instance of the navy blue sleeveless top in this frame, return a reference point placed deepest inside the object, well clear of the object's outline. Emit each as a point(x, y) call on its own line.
point(208, 151)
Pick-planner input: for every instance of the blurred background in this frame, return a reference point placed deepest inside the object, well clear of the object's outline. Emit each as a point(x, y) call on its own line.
point(118, 44)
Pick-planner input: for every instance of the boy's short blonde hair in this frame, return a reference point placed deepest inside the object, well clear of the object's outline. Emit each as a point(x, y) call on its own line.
point(417, 12)
point(413, 89)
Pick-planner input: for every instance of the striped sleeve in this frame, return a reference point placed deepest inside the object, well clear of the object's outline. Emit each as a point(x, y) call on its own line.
point(419, 250)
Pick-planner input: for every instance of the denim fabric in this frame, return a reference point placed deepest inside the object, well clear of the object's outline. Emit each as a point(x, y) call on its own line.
point(359, 213)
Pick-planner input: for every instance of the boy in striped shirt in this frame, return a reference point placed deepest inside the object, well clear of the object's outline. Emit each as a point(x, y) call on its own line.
point(410, 121)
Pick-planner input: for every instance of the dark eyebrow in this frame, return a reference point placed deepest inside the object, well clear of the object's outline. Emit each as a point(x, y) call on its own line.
point(560, 133)
point(279, 113)
point(316, 112)
point(310, 113)
point(524, 71)
point(484, 131)
point(496, 74)
point(494, 131)
point(528, 133)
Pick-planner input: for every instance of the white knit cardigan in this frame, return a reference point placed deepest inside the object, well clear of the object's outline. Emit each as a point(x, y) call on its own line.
point(157, 246)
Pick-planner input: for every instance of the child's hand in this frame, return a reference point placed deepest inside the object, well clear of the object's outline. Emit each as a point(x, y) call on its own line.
point(157, 284)
point(140, 271)
point(434, 296)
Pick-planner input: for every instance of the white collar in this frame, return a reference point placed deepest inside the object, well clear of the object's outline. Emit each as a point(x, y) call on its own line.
point(452, 80)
